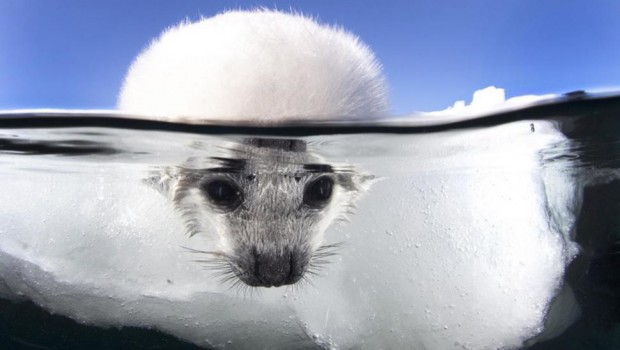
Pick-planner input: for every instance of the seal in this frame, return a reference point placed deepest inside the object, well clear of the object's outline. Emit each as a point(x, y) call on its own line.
point(269, 201)
point(267, 206)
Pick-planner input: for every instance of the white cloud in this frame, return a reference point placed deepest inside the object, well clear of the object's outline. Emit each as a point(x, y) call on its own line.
point(491, 100)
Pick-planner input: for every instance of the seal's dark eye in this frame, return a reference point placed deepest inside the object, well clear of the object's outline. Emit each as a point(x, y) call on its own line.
point(223, 193)
point(318, 192)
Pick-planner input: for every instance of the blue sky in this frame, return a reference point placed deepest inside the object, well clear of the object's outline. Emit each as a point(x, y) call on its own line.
point(74, 54)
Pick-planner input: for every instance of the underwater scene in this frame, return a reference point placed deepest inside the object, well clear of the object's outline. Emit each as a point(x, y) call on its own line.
point(496, 231)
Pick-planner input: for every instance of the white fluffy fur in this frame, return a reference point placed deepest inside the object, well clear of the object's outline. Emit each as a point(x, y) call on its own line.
point(255, 65)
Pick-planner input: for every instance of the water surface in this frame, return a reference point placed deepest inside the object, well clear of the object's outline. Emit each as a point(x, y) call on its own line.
point(488, 232)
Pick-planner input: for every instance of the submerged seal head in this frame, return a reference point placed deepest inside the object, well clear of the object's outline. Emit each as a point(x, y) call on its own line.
point(267, 205)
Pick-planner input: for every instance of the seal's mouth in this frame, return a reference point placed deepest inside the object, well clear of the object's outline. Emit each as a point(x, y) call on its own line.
point(270, 268)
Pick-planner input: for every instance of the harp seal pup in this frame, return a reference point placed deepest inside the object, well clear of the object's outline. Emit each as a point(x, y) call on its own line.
point(263, 209)
point(260, 66)
point(267, 204)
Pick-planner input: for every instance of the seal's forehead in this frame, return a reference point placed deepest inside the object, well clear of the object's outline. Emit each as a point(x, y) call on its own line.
point(318, 168)
point(286, 145)
point(228, 165)
point(257, 167)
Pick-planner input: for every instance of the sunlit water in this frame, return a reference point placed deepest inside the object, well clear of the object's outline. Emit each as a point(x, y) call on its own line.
point(492, 233)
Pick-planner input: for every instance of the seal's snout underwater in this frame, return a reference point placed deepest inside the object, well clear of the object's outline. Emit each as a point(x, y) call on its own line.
point(267, 203)
point(270, 268)
point(274, 252)
point(264, 208)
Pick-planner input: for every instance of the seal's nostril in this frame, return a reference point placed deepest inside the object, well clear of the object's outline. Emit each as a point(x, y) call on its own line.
point(292, 263)
point(255, 258)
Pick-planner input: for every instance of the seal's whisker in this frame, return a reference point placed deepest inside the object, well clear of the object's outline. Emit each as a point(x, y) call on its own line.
point(305, 281)
point(229, 278)
point(336, 245)
point(321, 255)
point(207, 252)
point(213, 262)
point(312, 272)
point(224, 274)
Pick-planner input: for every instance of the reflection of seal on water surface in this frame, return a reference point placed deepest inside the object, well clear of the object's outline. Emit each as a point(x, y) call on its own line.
point(268, 204)
point(255, 65)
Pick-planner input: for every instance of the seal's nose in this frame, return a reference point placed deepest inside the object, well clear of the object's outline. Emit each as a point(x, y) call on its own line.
point(271, 268)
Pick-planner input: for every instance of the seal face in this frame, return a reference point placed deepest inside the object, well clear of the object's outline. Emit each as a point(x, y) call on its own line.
point(266, 208)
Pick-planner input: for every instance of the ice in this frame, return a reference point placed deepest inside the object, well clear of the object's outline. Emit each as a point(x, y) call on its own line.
point(461, 243)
